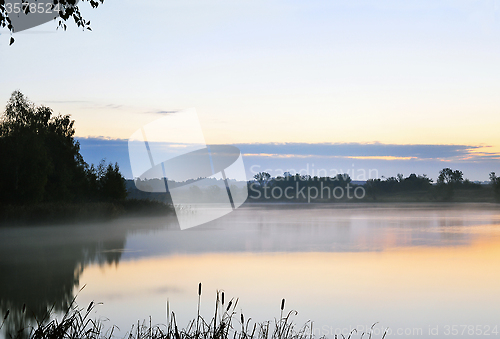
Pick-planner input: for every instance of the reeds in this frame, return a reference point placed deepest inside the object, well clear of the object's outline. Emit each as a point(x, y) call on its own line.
point(77, 324)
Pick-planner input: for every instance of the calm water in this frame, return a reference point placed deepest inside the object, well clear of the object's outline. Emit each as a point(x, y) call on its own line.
point(415, 269)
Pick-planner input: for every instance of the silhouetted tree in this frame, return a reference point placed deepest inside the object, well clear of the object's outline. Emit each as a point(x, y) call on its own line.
point(448, 176)
point(495, 182)
point(372, 187)
point(416, 183)
point(376, 187)
point(447, 181)
point(40, 160)
point(26, 134)
point(106, 182)
point(295, 185)
point(262, 178)
point(24, 167)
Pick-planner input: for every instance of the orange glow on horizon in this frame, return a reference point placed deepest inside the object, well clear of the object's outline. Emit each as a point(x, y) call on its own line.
point(441, 272)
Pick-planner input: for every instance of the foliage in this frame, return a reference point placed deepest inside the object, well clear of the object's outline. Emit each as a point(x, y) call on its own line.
point(106, 182)
point(262, 178)
point(296, 185)
point(495, 182)
point(448, 180)
point(376, 187)
point(227, 323)
point(448, 176)
point(40, 160)
point(68, 9)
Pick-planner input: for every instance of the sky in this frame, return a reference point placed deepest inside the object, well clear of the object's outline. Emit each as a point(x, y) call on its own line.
point(391, 86)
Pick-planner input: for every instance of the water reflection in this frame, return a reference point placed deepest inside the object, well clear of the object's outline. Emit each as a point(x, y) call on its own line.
point(324, 228)
point(356, 248)
point(410, 287)
point(41, 266)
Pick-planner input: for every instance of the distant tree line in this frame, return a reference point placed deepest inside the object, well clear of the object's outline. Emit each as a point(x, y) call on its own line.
point(417, 186)
point(448, 183)
point(495, 182)
point(398, 183)
point(298, 187)
point(40, 159)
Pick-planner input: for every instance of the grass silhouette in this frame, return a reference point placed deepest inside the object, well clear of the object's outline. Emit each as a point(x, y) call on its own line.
point(76, 323)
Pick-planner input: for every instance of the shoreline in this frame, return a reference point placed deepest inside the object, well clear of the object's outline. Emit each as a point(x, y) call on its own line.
point(76, 213)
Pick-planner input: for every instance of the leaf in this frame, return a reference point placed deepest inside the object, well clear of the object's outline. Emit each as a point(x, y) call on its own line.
point(11, 41)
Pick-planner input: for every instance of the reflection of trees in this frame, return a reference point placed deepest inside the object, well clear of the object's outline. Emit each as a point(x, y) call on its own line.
point(40, 267)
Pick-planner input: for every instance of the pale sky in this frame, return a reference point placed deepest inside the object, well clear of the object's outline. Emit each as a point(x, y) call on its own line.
point(392, 72)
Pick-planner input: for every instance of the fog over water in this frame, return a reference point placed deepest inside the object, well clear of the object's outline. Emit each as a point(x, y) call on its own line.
point(407, 266)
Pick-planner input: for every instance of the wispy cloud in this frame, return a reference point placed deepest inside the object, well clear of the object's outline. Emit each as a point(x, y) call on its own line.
point(113, 106)
point(374, 151)
point(389, 159)
point(369, 151)
point(66, 102)
point(166, 112)
point(86, 104)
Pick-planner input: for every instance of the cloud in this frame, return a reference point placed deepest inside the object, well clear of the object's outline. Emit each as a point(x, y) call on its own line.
point(94, 149)
point(86, 104)
point(66, 101)
point(166, 112)
point(389, 159)
point(369, 150)
point(113, 106)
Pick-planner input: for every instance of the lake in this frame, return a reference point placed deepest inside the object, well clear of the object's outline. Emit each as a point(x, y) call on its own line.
point(421, 270)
